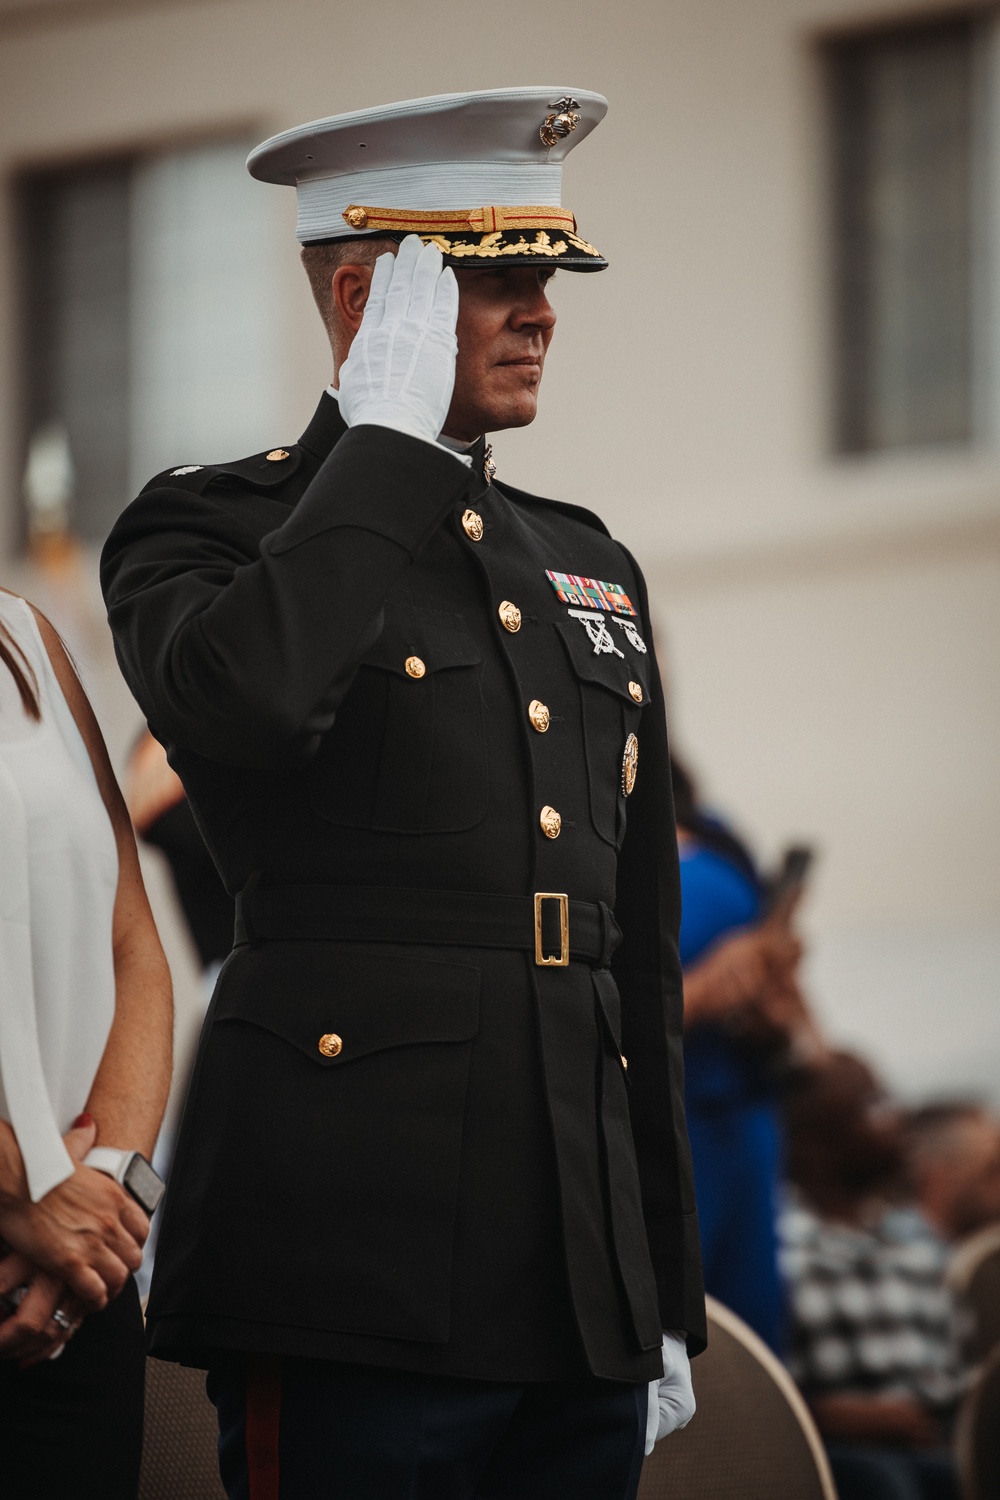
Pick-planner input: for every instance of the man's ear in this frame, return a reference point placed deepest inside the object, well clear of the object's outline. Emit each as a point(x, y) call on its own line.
point(350, 293)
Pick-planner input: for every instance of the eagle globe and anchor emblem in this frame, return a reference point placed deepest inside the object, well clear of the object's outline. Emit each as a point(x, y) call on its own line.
point(561, 123)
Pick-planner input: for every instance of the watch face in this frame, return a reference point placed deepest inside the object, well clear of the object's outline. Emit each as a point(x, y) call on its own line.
point(143, 1183)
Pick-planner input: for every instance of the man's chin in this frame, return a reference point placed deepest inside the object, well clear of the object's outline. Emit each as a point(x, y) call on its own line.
point(514, 411)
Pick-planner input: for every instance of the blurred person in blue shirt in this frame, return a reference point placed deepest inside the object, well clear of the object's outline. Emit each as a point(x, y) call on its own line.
point(745, 1023)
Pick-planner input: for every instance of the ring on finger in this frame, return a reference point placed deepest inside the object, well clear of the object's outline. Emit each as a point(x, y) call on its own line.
point(63, 1321)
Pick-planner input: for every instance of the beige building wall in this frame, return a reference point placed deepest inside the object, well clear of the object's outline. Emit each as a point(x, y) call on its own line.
point(830, 625)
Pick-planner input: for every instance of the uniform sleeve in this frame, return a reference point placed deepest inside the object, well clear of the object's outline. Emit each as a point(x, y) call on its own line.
point(648, 973)
point(241, 649)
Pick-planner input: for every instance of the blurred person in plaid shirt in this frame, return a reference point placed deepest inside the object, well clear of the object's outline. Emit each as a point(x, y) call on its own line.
point(874, 1343)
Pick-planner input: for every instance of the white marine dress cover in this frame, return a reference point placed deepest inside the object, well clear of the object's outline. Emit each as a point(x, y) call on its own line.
point(58, 878)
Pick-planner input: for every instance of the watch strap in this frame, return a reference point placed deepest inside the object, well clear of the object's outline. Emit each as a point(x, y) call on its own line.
point(130, 1169)
point(108, 1159)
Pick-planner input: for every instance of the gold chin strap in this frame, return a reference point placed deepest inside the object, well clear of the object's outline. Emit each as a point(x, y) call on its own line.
point(489, 220)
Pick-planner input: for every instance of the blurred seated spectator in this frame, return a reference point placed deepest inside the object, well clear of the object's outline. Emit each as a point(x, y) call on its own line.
point(744, 1017)
point(954, 1157)
point(874, 1345)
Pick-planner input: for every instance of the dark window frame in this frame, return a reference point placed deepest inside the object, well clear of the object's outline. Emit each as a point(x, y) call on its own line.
point(855, 417)
point(77, 270)
point(91, 515)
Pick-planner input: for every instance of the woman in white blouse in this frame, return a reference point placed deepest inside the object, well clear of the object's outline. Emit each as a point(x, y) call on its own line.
point(85, 1046)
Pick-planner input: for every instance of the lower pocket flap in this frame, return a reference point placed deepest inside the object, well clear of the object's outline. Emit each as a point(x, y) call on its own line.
point(336, 1004)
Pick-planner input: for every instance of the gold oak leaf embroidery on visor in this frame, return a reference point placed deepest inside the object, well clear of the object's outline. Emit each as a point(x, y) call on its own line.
point(490, 248)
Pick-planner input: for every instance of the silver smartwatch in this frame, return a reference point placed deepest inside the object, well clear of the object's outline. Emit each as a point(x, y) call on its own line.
point(130, 1170)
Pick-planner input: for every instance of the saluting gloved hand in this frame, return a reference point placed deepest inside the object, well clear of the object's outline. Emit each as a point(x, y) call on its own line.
point(401, 369)
point(671, 1400)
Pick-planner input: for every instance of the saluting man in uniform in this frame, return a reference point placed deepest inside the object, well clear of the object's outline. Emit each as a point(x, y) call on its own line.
point(430, 1225)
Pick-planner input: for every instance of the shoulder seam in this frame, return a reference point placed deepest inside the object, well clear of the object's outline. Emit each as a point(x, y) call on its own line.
point(196, 477)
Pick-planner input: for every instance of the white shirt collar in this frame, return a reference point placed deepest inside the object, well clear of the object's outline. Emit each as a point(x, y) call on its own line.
point(454, 444)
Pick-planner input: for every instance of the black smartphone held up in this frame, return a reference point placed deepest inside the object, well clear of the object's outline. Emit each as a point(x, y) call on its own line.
point(785, 887)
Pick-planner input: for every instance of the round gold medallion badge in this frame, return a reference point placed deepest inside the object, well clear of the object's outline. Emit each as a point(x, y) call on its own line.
point(630, 762)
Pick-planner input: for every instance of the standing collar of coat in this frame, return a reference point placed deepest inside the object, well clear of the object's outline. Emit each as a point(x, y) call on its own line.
point(328, 427)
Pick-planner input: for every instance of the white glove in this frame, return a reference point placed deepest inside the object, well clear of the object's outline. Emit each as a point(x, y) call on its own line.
point(401, 369)
point(671, 1400)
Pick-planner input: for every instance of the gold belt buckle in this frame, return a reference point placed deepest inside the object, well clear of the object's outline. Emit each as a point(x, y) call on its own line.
point(563, 959)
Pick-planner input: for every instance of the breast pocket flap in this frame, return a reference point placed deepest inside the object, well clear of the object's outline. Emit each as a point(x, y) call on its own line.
point(622, 670)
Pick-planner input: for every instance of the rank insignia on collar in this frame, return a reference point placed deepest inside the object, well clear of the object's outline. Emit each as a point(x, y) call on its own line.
point(631, 634)
point(489, 467)
point(590, 593)
point(598, 633)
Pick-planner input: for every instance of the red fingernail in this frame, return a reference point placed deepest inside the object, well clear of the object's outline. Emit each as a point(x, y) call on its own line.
point(82, 1121)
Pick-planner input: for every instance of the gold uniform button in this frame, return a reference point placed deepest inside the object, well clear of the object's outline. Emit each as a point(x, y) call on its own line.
point(510, 616)
point(415, 667)
point(630, 763)
point(472, 525)
point(538, 715)
point(551, 822)
point(330, 1044)
point(277, 455)
point(635, 691)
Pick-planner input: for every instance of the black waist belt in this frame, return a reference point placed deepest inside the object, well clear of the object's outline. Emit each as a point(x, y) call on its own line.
point(549, 925)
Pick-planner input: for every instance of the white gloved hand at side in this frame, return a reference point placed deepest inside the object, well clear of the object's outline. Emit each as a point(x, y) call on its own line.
point(401, 369)
point(671, 1400)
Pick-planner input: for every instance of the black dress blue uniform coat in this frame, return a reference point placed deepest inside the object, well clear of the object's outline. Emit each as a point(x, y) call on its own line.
point(469, 1180)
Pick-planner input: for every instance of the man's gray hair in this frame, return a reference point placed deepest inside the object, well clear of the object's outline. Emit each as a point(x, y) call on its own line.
point(321, 261)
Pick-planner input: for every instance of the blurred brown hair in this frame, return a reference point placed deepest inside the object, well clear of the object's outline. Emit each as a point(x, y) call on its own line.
point(20, 669)
point(844, 1141)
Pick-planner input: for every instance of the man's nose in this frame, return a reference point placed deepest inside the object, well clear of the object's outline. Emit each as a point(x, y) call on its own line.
point(534, 311)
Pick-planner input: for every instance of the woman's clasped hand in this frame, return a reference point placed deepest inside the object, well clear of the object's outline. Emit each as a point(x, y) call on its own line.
point(67, 1255)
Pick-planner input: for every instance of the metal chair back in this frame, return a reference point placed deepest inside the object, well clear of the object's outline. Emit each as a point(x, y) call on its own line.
point(752, 1437)
point(974, 1277)
point(179, 1456)
point(977, 1434)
